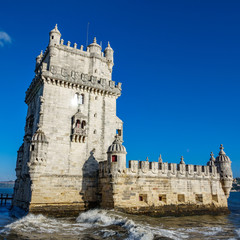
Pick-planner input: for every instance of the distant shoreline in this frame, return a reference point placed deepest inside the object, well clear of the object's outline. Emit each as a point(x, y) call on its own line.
point(7, 184)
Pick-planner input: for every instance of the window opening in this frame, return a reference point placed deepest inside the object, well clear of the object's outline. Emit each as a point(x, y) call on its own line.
point(78, 123)
point(114, 158)
point(83, 124)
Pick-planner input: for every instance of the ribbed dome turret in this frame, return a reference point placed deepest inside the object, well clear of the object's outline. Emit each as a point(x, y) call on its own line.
point(117, 146)
point(222, 156)
point(212, 160)
point(39, 136)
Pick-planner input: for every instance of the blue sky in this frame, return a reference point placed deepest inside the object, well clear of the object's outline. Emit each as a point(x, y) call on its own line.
point(179, 63)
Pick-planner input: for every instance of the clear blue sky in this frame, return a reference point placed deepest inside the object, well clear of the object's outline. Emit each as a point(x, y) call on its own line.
point(179, 62)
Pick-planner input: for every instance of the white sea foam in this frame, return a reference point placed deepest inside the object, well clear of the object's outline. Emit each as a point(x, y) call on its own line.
point(238, 232)
point(169, 233)
point(42, 224)
point(107, 224)
point(206, 231)
point(104, 218)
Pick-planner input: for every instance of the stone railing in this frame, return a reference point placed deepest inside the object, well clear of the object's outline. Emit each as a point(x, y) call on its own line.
point(79, 131)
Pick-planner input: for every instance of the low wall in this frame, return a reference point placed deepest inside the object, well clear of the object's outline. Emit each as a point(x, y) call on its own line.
point(152, 187)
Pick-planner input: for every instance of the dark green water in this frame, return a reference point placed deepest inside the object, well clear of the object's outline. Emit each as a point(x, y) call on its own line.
point(110, 225)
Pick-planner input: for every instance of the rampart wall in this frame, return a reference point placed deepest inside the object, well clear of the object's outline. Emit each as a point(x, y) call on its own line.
point(159, 188)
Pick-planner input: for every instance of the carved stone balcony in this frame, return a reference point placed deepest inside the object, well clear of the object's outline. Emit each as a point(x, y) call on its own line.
point(79, 134)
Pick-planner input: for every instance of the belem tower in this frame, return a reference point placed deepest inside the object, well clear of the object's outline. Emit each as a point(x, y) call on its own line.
point(72, 157)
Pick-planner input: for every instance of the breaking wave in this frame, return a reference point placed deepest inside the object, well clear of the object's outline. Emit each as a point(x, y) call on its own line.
point(103, 224)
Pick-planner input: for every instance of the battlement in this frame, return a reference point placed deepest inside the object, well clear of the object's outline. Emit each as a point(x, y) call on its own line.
point(72, 67)
point(156, 169)
point(74, 50)
point(70, 79)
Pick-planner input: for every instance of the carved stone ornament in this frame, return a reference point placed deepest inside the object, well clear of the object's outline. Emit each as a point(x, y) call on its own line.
point(84, 77)
point(53, 69)
point(74, 75)
point(103, 81)
point(93, 79)
point(111, 84)
point(64, 72)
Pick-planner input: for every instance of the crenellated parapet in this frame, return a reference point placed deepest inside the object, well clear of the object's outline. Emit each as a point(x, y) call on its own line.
point(156, 169)
point(146, 168)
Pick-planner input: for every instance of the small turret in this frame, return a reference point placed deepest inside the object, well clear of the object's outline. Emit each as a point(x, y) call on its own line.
point(38, 154)
point(54, 36)
point(94, 47)
point(117, 155)
point(108, 52)
point(212, 160)
point(38, 60)
point(160, 159)
point(182, 160)
point(223, 164)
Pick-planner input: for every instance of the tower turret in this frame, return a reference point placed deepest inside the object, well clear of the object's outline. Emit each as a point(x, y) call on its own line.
point(54, 36)
point(212, 160)
point(108, 52)
point(38, 154)
point(117, 155)
point(38, 60)
point(223, 164)
point(94, 47)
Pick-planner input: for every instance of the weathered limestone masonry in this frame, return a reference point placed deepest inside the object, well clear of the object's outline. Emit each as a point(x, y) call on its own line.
point(159, 188)
point(71, 121)
point(70, 128)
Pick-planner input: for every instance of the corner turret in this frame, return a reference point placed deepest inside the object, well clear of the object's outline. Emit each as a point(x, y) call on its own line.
point(212, 160)
point(54, 36)
point(108, 53)
point(117, 155)
point(94, 47)
point(38, 154)
point(223, 164)
point(38, 60)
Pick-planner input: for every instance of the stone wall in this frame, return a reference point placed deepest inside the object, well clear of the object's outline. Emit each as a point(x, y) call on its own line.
point(64, 170)
point(159, 188)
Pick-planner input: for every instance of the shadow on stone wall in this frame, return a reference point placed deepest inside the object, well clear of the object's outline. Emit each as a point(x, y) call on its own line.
point(89, 190)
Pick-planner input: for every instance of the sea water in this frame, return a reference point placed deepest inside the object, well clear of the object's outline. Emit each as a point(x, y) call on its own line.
point(100, 224)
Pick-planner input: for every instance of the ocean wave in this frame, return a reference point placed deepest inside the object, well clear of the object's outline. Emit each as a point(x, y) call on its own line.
point(206, 231)
point(107, 224)
point(43, 224)
point(106, 218)
point(238, 232)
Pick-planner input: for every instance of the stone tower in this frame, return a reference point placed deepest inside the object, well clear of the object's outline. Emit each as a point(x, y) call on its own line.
point(71, 121)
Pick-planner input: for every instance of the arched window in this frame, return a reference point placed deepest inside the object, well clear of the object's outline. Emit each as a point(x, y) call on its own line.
point(78, 123)
point(83, 124)
point(80, 99)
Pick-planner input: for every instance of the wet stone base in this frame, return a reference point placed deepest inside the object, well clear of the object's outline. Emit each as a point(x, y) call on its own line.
point(61, 210)
point(73, 210)
point(176, 210)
